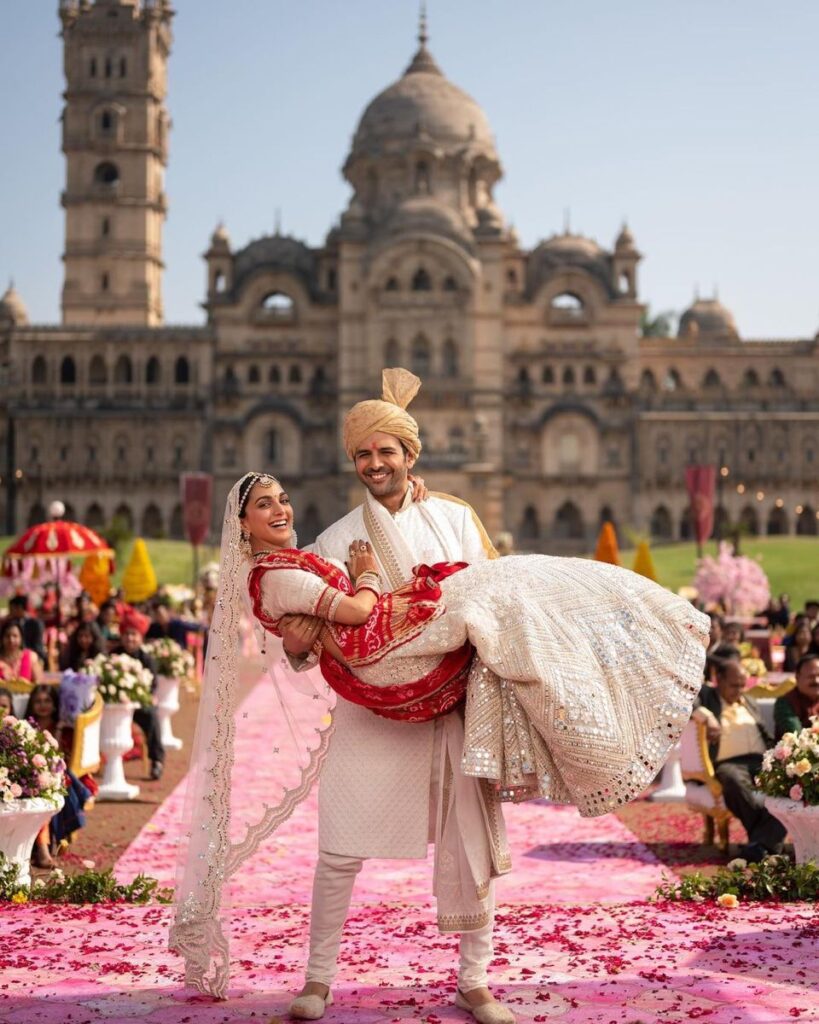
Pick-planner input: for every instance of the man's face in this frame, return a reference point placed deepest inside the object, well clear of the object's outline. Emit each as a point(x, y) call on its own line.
point(382, 465)
point(17, 611)
point(807, 679)
point(131, 640)
point(732, 684)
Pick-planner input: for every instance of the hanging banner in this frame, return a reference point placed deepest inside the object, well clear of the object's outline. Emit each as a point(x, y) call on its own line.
point(700, 482)
point(197, 493)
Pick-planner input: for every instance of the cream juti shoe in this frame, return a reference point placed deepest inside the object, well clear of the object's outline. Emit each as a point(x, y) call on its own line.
point(488, 1013)
point(310, 1007)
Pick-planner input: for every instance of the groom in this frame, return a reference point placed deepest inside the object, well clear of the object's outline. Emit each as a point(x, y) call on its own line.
point(388, 788)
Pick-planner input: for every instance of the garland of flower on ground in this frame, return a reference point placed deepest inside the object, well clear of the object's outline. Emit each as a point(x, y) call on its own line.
point(85, 887)
point(774, 878)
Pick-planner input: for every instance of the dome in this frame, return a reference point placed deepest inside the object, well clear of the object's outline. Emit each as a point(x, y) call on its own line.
point(220, 239)
point(276, 252)
point(12, 309)
point(423, 215)
point(423, 103)
point(574, 245)
point(708, 320)
point(567, 251)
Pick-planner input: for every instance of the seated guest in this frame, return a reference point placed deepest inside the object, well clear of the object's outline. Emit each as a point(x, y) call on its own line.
point(108, 622)
point(85, 642)
point(800, 644)
point(17, 661)
point(165, 624)
point(778, 612)
point(812, 611)
point(133, 627)
point(793, 712)
point(737, 740)
point(6, 702)
point(814, 639)
point(44, 711)
point(733, 633)
point(31, 627)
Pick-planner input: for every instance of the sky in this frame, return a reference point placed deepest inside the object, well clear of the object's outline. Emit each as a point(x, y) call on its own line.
point(694, 120)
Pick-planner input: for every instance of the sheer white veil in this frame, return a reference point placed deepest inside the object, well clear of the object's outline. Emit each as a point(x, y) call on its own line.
point(282, 766)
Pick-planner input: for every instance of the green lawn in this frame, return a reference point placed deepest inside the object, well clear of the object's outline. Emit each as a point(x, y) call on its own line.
point(792, 563)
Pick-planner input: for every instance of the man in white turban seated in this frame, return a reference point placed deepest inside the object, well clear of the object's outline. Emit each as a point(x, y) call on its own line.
point(384, 784)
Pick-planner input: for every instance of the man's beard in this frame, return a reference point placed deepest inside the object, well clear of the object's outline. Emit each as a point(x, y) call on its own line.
point(392, 482)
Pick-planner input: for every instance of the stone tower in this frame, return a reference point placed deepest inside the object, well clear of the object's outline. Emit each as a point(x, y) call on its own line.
point(115, 140)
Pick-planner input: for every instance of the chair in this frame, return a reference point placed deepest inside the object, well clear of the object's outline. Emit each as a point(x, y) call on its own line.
point(85, 747)
point(703, 790)
point(765, 695)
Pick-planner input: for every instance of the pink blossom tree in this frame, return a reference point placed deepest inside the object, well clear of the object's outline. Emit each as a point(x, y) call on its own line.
point(737, 583)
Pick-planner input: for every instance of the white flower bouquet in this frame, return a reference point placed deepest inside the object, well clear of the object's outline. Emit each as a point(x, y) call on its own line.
point(791, 768)
point(30, 763)
point(171, 660)
point(122, 679)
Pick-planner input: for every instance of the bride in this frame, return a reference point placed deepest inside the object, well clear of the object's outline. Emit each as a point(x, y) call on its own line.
point(576, 678)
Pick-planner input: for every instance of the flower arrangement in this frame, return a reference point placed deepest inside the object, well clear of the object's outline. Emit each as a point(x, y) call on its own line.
point(171, 659)
point(30, 763)
point(791, 768)
point(733, 582)
point(751, 661)
point(122, 679)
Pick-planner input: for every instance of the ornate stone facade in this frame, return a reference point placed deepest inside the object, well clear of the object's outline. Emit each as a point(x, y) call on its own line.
point(541, 403)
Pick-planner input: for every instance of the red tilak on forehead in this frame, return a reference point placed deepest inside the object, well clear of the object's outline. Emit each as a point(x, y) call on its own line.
point(374, 447)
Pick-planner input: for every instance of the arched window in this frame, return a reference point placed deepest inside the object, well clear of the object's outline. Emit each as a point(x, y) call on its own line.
point(125, 517)
point(105, 227)
point(686, 527)
point(105, 282)
point(123, 67)
point(450, 284)
point(295, 374)
point(391, 285)
point(568, 451)
point(422, 181)
point(511, 277)
point(778, 522)
point(39, 370)
point(648, 382)
point(92, 67)
point(181, 371)
point(806, 521)
point(568, 377)
point(421, 281)
point(569, 522)
point(271, 446)
point(749, 520)
point(97, 371)
point(721, 522)
point(278, 304)
point(449, 358)
point(568, 304)
point(123, 371)
point(457, 444)
point(750, 379)
point(106, 173)
point(392, 353)
point(548, 375)
point(274, 375)
point(177, 523)
point(109, 67)
point(589, 375)
point(108, 122)
point(420, 358)
point(318, 382)
point(711, 381)
point(777, 378)
point(529, 524)
point(219, 281)
point(94, 517)
point(68, 371)
point(153, 371)
point(254, 375)
point(661, 528)
point(672, 380)
point(524, 382)
point(152, 525)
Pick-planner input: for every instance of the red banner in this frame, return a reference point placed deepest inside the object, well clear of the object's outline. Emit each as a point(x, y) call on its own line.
point(700, 482)
point(197, 492)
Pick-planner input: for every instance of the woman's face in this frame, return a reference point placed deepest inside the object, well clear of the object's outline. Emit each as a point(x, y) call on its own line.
point(12, 640)
point(268, 518)
point(6, 705)
point(802, 634)
point(43, 705)
point(85, 638)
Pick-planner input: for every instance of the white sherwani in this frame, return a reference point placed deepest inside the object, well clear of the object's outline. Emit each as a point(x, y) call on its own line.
point(374, 793)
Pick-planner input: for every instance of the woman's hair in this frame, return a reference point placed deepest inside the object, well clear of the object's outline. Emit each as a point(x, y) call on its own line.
point(4, 692)
point(75, 655)
point(52, 692)
point(6, 628)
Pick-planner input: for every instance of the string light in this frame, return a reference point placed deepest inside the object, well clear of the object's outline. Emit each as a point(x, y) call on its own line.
point(740, 488)
point(760, 495)
point(724, 471)
point(779, 503)
point(799, 510)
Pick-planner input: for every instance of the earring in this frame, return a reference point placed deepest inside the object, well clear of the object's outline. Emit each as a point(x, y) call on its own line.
point(244, 544)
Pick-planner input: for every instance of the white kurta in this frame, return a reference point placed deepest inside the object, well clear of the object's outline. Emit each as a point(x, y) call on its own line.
point(374, 794)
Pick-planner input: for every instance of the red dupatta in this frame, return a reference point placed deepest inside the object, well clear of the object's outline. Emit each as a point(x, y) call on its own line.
point(397, 618)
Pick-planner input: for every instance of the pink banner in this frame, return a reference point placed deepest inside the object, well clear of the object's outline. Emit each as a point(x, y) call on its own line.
point(700, 482)
point(197, 491)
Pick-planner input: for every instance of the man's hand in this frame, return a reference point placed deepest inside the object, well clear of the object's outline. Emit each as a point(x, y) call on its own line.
point(713, 730)
point(299, 633)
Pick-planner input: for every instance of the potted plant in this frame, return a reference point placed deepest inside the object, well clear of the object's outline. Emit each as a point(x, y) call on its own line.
point(124, 683)
point(32, 788)
point(790, 780)
point(173, 664)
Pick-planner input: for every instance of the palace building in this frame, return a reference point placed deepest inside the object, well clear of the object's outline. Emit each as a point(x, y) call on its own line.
point(542, 404)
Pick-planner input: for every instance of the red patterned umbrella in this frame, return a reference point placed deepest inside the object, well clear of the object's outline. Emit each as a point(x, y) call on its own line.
point(56, 539)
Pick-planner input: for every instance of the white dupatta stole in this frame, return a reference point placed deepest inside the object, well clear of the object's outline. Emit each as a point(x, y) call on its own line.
point(470, 836)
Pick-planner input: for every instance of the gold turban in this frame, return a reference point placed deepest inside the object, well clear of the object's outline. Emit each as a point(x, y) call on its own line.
point(387, 415)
